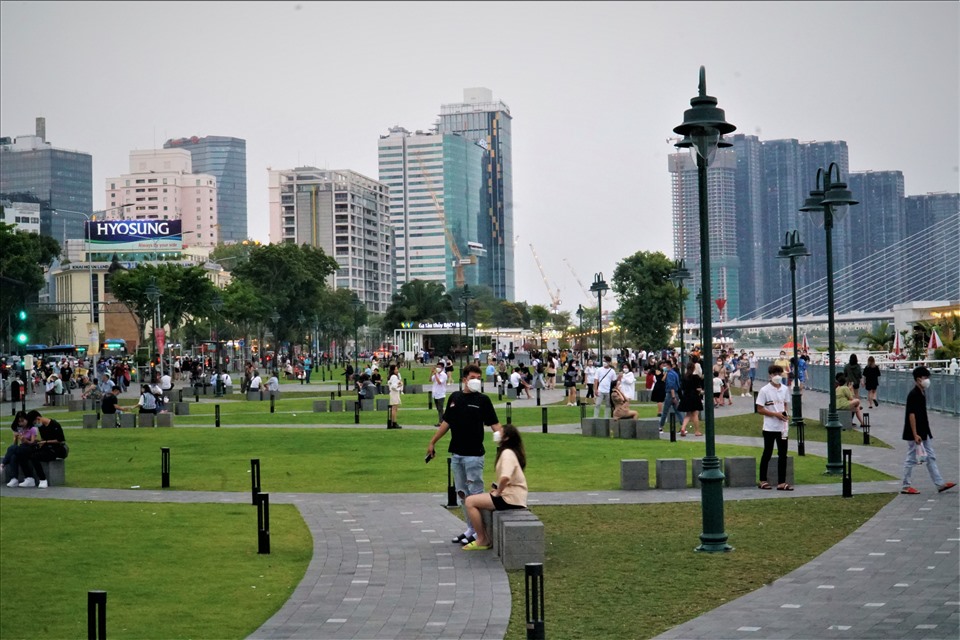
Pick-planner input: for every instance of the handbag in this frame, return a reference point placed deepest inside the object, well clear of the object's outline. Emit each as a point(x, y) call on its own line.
point(921, 454)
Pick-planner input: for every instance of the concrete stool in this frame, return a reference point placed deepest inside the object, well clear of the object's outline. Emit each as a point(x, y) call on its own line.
point(55, 470)
point(823, 415)
point(648, 429)
point(596, 427)
point(147, 419)
point(366, 405)
point(774, 466)
point(696, 468)
point(164, 419)
point(110, 420)
point(511, 393)
point(350, 405)
point(76, 405)
point(253, 395)
point(624, 428)
point(671, 473)
point(319, 406)
point(127, 421)
point(383, 404)
point(634, 475)
point(499, 518)
point(336, 406)
point(89, 421)
point(643, 395)
point(740, 471)
point(181, 408)
point(227, 389)
point(523, 542)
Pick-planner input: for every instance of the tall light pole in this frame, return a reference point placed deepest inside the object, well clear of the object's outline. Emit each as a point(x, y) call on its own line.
point(703, 129)
point(599, 287)
point(832, 201)
point(153, 295)
point(580, 331)
point(794, 251)
point(217, 304)
point(465, 297)
point(677, 276)
point(276, 341)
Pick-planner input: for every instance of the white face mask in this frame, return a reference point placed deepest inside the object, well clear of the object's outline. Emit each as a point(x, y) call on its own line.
point(474, 385)
point(497, 437)
point(776, 379)
point(925, 383)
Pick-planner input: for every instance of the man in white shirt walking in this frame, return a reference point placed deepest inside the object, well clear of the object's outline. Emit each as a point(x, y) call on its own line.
point(772, 405)
point(439, 390)
point(604, 378)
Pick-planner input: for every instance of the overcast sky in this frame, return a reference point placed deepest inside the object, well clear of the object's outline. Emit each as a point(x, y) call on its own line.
point(594, 88)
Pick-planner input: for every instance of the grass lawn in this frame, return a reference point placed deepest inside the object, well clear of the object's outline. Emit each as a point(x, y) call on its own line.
point(629, 571)
point(169, 570)
point(362, 460)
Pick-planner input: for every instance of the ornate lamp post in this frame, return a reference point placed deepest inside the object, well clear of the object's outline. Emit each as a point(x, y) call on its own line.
point(580, 331)
point(794, 251)
point(703, 129)
point(832, 202)
point(217, 304)
point(465, 297)
point(600, 288)
point(153, 295)
point(677, 277)
point(276, 340)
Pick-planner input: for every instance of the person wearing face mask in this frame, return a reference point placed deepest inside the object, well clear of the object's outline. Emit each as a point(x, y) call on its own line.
point(601, 387)
point(846, 400)
point(784, 363)
point(439, 390)
point(466, 414)
point(916, 431)
point(509, 492)
point(627, 382)
point(772, 405)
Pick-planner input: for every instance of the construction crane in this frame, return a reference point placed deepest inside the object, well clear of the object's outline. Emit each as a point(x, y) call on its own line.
point(459, 262)
point(554, 298)
point(586, 291)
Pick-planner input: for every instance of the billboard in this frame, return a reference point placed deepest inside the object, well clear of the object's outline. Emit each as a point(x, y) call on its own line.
point(134, 236)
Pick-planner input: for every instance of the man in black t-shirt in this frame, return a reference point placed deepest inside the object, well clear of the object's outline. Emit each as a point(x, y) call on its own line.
point(916, 431)
point(110, 401)
point(466, 414)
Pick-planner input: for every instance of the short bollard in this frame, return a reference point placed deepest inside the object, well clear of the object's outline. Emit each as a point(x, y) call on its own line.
point(165, 467)
point(254, 479)
point(500, 392)
point(339, 390)
point(583, 410)
point(673, 426)
point(356, 412)
point(451, 488)
point(866, 428)
point(543, 418)
point(196, 390)
point(848, 473)
point(216, 415)
point(23, 403)
point(179, 395)
point(801, 442)
point(272, 406)
point(332, 395)
point(533, 575)
point(97, 615)
point(413, 373)
point(538, 396)
point(263, 523)
point(430, 401)
point(509, 413)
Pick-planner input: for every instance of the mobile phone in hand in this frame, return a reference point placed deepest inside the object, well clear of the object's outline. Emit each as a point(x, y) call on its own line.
point(428, 458)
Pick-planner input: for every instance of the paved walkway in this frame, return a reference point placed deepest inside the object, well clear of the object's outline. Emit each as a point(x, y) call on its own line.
point(383, 566)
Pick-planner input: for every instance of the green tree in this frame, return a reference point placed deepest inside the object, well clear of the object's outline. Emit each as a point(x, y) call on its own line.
point(418, 301)
point(879, 339)
point(649, 302)
point(23, 257)
point(539, 316)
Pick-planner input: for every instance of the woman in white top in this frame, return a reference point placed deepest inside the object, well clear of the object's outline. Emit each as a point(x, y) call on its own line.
point(273, 384)
point(395, 383)
point(628, 383)
point(255, 382)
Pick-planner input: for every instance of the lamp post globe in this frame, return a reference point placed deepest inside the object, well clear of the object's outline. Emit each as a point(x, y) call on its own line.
point(703, 128)
point(831, 201)
point(794, 251)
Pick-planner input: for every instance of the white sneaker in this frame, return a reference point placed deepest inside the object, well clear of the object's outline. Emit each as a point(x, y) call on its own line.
point(13, 483)
point(43, 484)
point(28, 482)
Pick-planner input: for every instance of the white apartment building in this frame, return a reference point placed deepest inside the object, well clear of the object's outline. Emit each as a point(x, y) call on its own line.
point(160, 186)
point(24, 216)
point(345, 214)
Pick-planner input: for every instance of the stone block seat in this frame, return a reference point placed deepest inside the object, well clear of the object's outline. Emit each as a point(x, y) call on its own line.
point(55, 470)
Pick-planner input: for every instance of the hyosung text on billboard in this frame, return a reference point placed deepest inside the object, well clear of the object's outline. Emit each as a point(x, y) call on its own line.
point(135, 236)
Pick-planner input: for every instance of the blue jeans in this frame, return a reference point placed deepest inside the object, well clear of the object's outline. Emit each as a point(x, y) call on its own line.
point(467, 479)
point(911, 462)
point(668, 407)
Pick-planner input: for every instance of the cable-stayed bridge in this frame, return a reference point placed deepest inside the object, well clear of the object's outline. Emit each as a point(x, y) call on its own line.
point(922, 266)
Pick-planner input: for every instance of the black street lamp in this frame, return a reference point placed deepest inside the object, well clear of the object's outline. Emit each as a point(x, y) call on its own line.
point(832, 202)
point(703, 129)
point(357, 305)
point(677, 277)
point(794, 251)
point(217, 304)
point(580, 334)
point(276, 340)
point(465, 297)
point(600, 288)
point(153, 295)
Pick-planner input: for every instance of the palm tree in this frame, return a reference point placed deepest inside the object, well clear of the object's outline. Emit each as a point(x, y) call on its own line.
point(420, 301)
point(539, 315)
point(880, 339)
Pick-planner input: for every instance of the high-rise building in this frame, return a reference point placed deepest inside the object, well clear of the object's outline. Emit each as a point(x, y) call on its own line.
point(929, 217)
point(348, 216)
point(480, 118)
point(161, 185)
point(224, 158)
point(930, 210)
point(722, 213)
point(438, 207)
point(819, 155)
point(875, 224)
point(57, 178)
point(751, 241)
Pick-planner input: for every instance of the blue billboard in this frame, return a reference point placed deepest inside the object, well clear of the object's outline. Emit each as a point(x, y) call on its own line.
point(135, 236)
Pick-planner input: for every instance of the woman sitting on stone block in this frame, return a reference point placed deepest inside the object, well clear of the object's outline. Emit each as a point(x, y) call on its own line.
point(509, 491)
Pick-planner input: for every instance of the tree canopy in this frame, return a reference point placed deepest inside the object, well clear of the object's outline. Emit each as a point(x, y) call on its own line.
point(649, 302)
point(23, 258)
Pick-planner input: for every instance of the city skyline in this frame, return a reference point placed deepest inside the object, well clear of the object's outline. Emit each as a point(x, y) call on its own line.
point(595, 91)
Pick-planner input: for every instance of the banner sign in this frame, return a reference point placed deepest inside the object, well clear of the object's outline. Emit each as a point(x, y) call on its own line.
point(161, 337)
point(134, 235)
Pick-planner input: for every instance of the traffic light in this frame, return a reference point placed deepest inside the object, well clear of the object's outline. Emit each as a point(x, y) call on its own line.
point(22, 337)
point(22, 315)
